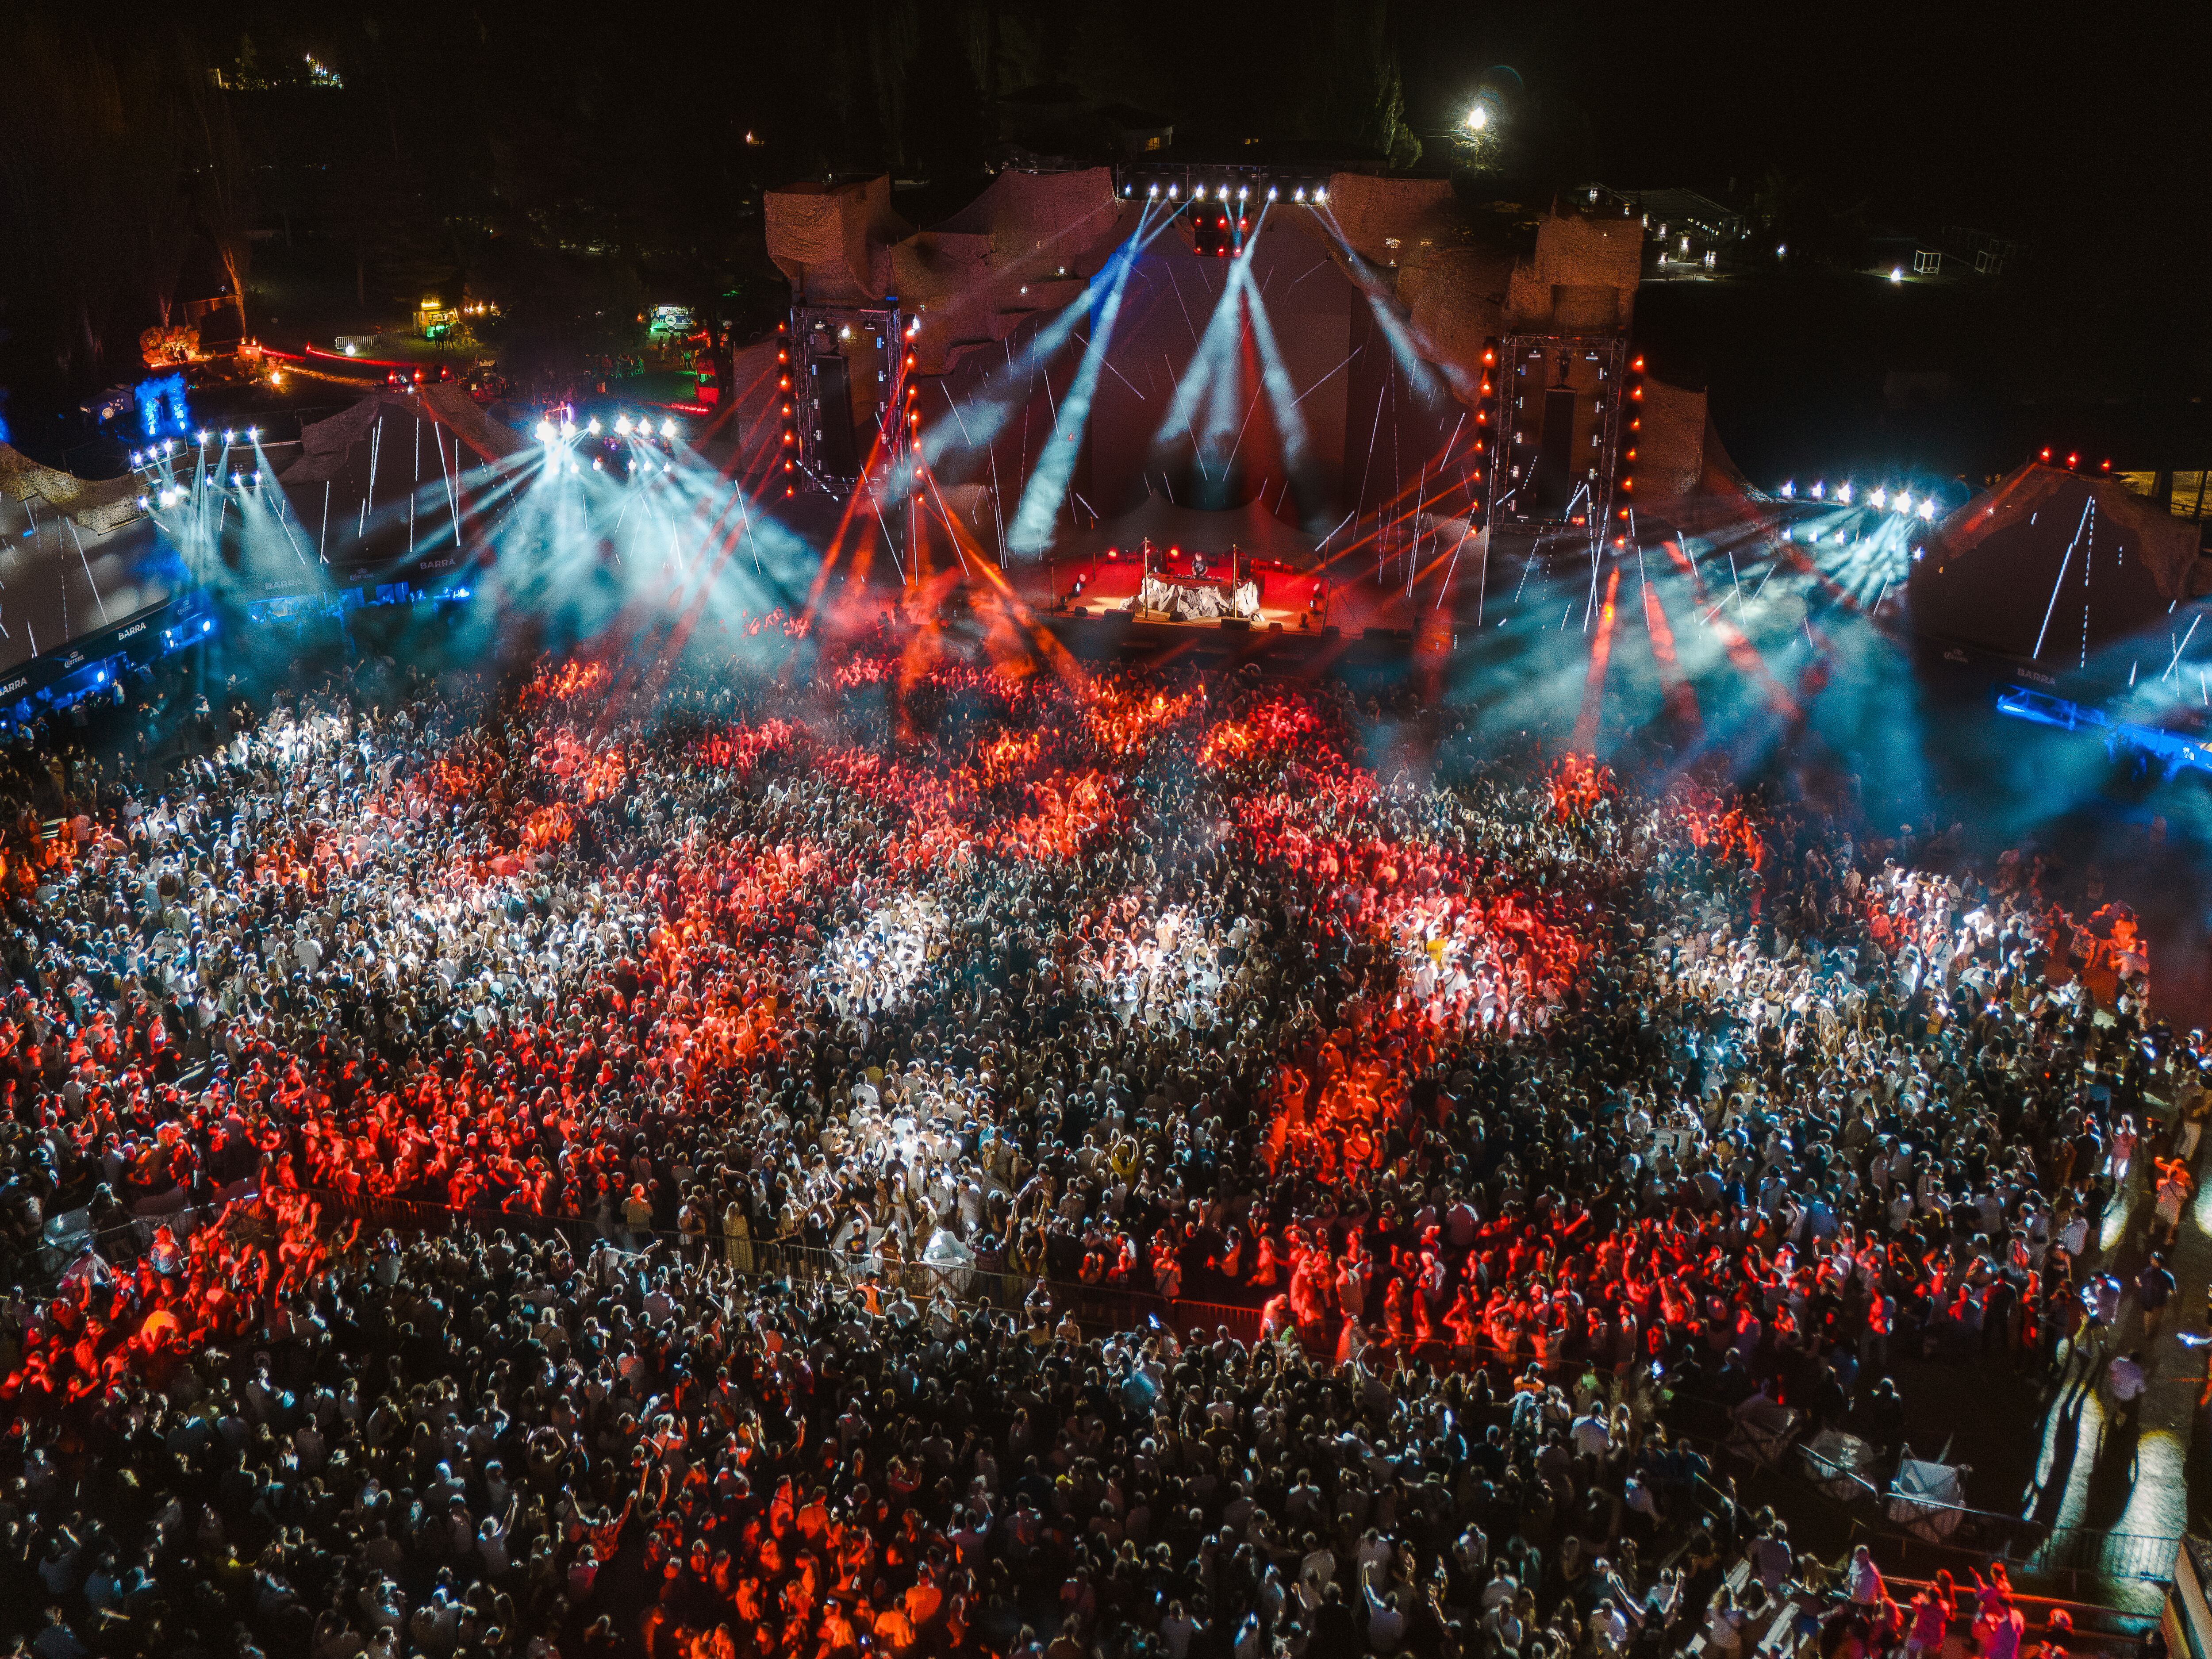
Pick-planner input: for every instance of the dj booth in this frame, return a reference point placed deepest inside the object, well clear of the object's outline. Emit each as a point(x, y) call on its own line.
point(1200, 590)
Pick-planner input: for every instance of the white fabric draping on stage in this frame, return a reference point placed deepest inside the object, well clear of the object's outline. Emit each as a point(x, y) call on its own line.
point(1184, 601)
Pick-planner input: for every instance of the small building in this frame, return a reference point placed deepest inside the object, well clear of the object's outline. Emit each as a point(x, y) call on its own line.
point(1137, 132)
point(1681, 226)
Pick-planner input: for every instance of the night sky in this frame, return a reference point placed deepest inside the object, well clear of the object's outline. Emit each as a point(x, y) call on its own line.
point(588, 160)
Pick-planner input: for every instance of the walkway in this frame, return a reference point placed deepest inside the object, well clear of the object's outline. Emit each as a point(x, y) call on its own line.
point(2142, 1484)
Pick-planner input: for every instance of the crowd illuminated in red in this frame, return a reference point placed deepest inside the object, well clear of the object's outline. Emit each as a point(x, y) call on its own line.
point(1206, 1006)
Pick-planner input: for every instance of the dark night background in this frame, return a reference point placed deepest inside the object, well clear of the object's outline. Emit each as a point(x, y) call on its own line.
point(574, 164)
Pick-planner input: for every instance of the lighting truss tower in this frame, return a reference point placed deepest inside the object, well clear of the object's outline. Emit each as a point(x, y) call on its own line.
point(1564, 423)
point(844, 410)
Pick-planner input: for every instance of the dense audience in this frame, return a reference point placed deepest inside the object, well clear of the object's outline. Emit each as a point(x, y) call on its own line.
point(941, 1161)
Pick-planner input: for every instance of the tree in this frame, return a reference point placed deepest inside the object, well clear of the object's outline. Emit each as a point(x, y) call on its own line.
point(225, 180)
point(1364, 99)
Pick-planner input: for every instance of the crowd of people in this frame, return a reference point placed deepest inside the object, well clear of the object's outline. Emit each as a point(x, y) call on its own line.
point(612, 1165)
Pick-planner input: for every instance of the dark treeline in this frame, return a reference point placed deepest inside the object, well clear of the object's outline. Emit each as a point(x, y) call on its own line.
point(577, 162)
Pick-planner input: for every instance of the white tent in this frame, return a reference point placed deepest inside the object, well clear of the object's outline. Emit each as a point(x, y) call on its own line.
point(1763, 1430)
point(1927, 1498)
point(1841, 1465)
point(949, 1261)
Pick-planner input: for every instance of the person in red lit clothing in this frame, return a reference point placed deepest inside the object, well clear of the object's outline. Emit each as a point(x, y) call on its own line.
point(1502, 1061)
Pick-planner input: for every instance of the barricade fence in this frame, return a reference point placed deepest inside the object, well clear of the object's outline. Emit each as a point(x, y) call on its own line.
point(1096, 1307)
point(2064, 1556)
point(2076, 1559)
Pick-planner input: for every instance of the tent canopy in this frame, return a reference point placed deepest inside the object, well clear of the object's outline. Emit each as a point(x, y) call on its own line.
point(2055, 565)
point(1250, 528)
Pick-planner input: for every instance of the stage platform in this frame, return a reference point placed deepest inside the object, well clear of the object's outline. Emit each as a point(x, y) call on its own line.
point(1350, 604)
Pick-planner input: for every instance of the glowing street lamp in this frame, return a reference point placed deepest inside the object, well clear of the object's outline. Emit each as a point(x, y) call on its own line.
point(1478, 118)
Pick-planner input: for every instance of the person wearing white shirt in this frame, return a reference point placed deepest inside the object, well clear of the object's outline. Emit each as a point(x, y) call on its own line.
point(1385, 1624)
point(1609, 1626)
point(2126, 1381)
point(1589, 1434)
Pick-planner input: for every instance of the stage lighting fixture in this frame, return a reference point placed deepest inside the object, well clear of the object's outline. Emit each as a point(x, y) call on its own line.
point(622, 425)
point(1319, 194)
point(668, 427)
point(233, 481)
point(1819, 490)
point(591, 426)
point(545, 433)
point(1243, 191)
point(207, 627)
point(230, 437)
point(1171, 191)
point(253, 435)
point(567, 427)
point(1844, 495)
point(1789, 490)
point(144, 503)
point(1927, 508)
point(1881, 498)
point(1271, 192)
point(1300, 194)
point(203, 438)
